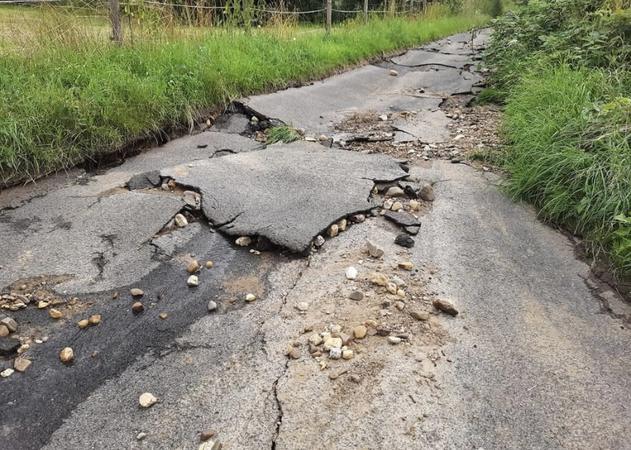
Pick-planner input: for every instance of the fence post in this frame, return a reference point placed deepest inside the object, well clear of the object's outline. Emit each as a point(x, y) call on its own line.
point(115, 17)
point(329, 12)
point(366, 11)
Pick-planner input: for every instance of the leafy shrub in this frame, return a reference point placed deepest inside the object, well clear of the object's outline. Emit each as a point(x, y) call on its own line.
point(580, 33)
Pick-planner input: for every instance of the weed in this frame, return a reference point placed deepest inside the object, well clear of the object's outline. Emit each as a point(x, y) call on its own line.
point(283, 134)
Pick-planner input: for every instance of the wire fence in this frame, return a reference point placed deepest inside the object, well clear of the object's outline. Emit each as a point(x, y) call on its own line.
point(121, 19)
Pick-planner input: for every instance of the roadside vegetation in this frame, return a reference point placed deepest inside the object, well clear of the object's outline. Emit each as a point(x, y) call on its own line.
point(70, 95)
point(563, 70)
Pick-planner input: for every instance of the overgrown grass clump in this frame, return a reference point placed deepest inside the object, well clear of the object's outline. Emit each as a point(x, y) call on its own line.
point(563, 69)
point(62, 104)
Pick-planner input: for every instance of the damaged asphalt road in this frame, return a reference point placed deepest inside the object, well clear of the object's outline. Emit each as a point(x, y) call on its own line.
point(532, 359)
point(289, 193)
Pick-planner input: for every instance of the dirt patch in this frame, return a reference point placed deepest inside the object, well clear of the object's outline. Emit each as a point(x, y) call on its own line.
point(473, 134)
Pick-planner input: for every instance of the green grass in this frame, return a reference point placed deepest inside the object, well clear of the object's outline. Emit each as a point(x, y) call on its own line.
point(63, 104)
point(284, 134)
point(570, 153)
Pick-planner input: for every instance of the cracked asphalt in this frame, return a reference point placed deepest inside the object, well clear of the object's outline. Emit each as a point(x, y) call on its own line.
point(538, 357)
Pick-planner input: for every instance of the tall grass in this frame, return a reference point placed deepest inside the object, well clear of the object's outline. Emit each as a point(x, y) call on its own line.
point(570, 154)
point(65, 102)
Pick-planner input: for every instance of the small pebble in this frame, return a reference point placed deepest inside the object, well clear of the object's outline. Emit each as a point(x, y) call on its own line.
point(66, 355)
point(212, 306)
point(351, 273)
point(205, 435)
point(318, 241)
point(55, 313)
point(135, 292)
point(163, 315)
point(83, 323)
point(209, 264)
point(315, 339)
point(243, 241)
point(21, 364)
point(94, 319)
point(394, 340)
point(404, 240)
point(193, 281)
point(293, 353)
point(335, 353)
point(147, 400)
point(140, 436)
point(359, 332)
point(406, 265)
point(333, 230)
point(180, 220)
point(6, 373)
point(250, 297)
point(302, 306)
point(445, 306)
point(347, 354)
point(356, 295)
point(137, 307)
point(420, 315)
point(193, 266)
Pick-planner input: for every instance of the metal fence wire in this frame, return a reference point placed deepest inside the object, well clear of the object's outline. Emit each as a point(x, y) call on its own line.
point(121, 14)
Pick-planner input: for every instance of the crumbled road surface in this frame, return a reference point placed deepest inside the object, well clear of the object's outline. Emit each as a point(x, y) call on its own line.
point(311, 327)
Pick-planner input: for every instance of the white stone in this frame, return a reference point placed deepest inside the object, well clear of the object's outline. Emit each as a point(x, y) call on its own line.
point(351, 273)
point(315, 339)
point(193, 281)
point(147, 400)
point(180, 220)
point(333, 342)
point(335, 353)
point(243, 241)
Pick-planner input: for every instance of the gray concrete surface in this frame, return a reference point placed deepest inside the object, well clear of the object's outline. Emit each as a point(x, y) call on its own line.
point(535, 362)
point(288, 193)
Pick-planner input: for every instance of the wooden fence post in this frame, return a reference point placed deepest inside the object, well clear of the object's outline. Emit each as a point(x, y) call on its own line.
point(366, 11)
point(329, 12)
point(115, 17)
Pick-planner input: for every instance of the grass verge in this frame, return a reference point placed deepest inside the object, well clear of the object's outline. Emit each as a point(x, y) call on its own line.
point(63, 104)
point(561, 67)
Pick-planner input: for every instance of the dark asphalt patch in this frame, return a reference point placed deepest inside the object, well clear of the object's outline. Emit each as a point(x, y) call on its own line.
point(35, 403)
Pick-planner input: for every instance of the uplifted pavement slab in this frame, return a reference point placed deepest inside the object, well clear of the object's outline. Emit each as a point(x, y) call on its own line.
point(288, 193)
point(318, 107)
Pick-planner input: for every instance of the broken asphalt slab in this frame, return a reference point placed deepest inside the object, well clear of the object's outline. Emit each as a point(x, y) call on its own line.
point(288, 193)
point(423, 78)
point(331, 100)
point(92, 229)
